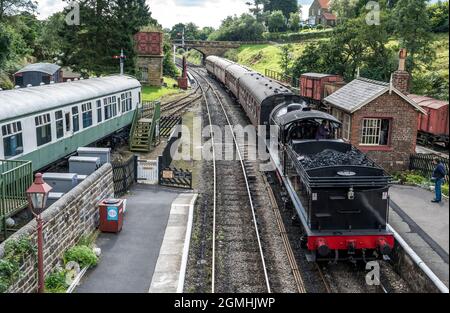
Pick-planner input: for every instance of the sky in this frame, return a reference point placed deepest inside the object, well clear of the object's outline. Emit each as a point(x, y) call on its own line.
point(169, 12)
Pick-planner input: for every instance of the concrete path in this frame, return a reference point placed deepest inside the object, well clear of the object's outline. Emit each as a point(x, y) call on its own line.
point(423, 225)
point(172, 261)
point(129, 258)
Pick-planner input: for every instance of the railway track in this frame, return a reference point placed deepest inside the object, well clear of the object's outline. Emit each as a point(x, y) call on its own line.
point(238, 261)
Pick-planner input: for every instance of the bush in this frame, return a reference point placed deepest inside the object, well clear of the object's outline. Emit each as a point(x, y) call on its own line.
point(83, 255)
point(56, 282)
point(320, 26)
point(445, 189)
point(299, 36)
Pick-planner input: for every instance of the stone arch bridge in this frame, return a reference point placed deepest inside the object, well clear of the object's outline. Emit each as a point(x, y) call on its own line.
point(207, 48)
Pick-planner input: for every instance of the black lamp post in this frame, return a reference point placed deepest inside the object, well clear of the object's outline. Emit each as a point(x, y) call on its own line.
point(37, 198)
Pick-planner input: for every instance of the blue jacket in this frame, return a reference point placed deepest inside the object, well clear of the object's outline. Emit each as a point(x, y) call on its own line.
point(439, 172)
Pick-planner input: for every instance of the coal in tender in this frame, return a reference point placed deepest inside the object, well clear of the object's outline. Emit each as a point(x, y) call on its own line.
point(329, 157)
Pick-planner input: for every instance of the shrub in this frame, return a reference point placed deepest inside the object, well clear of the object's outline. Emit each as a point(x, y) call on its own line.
point(445, 189)
point(56, 282)
point(83, 255)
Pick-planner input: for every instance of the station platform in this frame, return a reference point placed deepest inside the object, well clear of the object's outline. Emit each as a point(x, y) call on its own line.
point(423, 225)
point(129, 258)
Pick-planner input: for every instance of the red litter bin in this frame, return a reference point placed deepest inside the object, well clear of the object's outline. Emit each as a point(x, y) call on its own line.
point(111, 215)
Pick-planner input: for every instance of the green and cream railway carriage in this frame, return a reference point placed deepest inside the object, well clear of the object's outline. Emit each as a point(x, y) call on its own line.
point(46, 123)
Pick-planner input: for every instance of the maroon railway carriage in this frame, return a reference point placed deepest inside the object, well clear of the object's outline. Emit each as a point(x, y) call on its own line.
point(312, 85)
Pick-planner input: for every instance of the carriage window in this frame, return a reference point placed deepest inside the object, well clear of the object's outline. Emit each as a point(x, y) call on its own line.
point(59, 121)
point(87, 114)
point(43, 129)
point(126, 102)
point(99, 111)
point(75, 119)
point(108, 110)
point(114, 106)
point(375, 132)
point(12, 139)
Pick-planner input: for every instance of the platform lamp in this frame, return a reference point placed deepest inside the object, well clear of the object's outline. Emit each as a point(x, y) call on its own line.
point(37, 198)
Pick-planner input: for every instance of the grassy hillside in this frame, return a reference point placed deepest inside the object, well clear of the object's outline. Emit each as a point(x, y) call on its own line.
point(429, 79)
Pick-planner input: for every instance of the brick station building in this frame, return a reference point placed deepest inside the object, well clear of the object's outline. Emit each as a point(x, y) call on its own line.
point(379, 118)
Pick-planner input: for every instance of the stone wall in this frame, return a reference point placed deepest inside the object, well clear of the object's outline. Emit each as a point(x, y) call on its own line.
point(403, 131)
point(151, 69)
point(65, 222)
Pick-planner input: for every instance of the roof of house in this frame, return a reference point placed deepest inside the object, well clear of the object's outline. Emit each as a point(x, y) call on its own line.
point(428, 102)
point(362, 91)
point(30, 100)
point(47, 68)
point(324, 4)
point(329, 16)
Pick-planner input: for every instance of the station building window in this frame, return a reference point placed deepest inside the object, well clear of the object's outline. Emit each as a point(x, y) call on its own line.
point(43, 129)
point(126, 101)
point(87, 114)
point(99, 111)
point(375, 132)
point(12, 139)
point(59, 121)
point(75, 119)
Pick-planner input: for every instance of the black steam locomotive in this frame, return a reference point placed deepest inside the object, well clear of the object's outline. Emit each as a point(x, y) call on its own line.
point(340, 196)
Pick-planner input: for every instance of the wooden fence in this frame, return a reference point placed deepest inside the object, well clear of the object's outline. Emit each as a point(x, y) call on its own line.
point(125, 175)
point(423, 163)
point(292, 82)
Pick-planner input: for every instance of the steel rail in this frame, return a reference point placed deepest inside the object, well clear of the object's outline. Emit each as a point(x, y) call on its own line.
point(238, 149)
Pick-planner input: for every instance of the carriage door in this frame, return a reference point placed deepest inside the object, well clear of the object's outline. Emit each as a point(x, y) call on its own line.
point(68, 123)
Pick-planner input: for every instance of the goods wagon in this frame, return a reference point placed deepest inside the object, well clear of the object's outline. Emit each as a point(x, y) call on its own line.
point(312, 85)
point(432, 127)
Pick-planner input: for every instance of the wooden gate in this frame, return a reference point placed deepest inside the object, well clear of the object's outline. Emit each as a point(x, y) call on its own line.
point(147, 172)
point(124, 174)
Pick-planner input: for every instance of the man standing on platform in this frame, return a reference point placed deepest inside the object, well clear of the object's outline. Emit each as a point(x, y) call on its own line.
point(438, 178)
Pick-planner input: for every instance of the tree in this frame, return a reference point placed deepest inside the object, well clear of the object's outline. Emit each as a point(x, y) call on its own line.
point(286, 6)
point(286, 58)
point(277, 22)
point(5, 44)
point(257, 8)
point(107, 27)
point(354, 45)
point(169, 68)
point(438, 13)
point(294, 22)
point(243, 28)
point(11, 7)
point(205, 32)
point(412, 26)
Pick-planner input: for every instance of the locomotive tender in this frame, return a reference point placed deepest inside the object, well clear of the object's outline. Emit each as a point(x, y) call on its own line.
point(340, 196)
point(46, 123)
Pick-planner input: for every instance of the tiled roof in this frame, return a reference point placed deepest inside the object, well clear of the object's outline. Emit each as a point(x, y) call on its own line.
point(324, 4)
point(329, 16)
point(360, 92)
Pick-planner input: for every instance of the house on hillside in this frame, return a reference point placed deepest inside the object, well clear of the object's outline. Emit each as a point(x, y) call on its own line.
point(319, 13)
point(379, 118)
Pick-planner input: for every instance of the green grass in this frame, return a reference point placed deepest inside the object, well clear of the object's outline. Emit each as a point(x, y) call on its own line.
point(267, 56)
point(264, 56)
point(151, 93)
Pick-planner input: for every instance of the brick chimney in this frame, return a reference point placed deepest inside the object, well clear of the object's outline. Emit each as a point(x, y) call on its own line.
point(401, 78)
